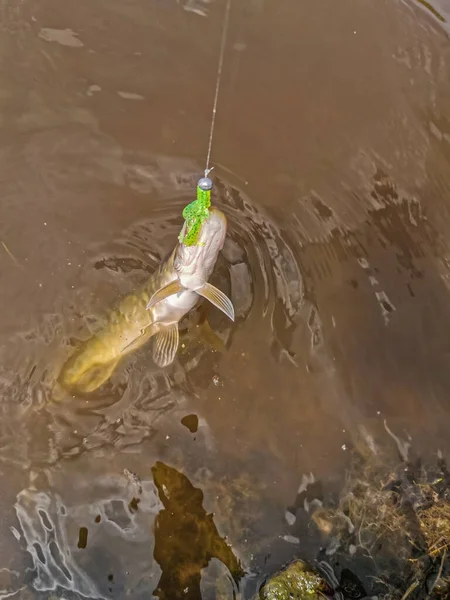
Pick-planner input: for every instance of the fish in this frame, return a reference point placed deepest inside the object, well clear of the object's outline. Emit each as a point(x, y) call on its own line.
point(153, 311)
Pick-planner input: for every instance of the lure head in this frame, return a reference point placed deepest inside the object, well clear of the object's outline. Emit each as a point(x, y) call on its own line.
point(195, 263)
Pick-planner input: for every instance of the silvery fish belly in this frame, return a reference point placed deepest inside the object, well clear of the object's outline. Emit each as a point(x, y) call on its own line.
point(154, 311)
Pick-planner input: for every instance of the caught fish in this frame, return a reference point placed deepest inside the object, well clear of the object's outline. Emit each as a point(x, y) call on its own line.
point(154, 311)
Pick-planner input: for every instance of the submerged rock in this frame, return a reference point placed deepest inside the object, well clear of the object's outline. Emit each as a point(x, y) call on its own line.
point(297, 582)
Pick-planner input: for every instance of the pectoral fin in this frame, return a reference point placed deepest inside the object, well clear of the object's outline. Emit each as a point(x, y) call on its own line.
point(144, 336)
point(174, 287)
point(218, 298)
point(165, 345)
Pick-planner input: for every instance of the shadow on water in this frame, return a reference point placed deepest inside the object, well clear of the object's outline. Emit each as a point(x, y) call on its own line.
point(186, 538)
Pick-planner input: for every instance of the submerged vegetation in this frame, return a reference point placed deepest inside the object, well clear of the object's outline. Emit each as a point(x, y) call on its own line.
point(397, 520)
point(385, 535)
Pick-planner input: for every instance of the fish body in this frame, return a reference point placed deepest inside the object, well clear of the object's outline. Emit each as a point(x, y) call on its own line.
point(153, 311)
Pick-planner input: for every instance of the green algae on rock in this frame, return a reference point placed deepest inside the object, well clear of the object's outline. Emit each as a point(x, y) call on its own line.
point(298, 581)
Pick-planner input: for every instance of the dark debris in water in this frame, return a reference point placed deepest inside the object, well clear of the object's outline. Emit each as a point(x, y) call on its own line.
point(191, 422)
point(351, 586)
point(82, 537)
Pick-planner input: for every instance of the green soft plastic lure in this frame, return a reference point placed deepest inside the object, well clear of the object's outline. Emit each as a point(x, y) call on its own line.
point(196, 213)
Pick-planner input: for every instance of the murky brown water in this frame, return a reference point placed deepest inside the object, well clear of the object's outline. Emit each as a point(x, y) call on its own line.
point(332, 165)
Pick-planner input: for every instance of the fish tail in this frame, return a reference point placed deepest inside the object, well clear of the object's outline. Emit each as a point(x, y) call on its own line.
point(85, 371)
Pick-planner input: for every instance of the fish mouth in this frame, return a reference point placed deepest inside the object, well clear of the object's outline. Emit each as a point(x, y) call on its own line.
point(214, 229)
point(216, 223)
point(211, 239)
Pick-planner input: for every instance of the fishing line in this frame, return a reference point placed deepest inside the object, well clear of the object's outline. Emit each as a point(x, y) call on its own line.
point(197, 212)
point(219, 77)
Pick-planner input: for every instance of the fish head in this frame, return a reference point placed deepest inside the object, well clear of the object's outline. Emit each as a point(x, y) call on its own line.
point(194, 264)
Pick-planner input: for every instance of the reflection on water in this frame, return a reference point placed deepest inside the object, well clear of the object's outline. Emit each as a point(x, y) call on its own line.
point(81, 547)
point(51, 526)
point(332, 168)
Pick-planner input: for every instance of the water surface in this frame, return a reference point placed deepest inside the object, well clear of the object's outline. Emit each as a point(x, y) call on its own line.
point(331, 162)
